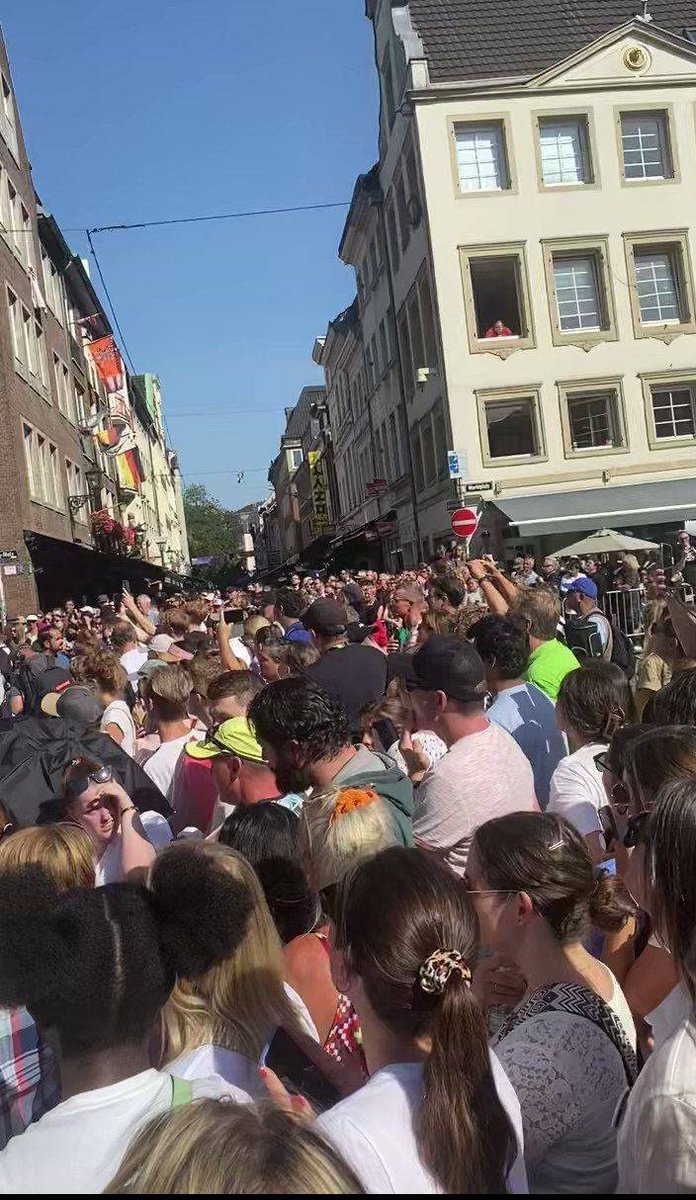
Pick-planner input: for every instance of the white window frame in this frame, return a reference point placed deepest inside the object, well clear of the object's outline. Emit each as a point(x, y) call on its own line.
point(481, 181)
point(671, 390)
point(496, 397)
point(16, 325)
point(576, 300)
point(8, 116)
point(43, 467)
point(30, 347)
point(572, 392)
point(652, 281)
point(567, 129)
point(661, 141)
point(52, 285)
point(41, 353)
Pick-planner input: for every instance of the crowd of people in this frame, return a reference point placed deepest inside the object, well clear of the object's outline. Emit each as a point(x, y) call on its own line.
point(361, 883)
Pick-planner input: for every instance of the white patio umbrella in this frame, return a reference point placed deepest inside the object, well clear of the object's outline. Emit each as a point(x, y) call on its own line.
point(604, 541)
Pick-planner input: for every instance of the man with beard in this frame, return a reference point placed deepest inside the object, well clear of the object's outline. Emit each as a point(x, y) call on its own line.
point(305, 737)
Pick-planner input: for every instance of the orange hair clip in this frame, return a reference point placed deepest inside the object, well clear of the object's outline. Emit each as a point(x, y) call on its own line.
point(350, 799)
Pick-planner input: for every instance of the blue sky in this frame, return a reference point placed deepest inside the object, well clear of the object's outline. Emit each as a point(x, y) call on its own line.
point(154, 108)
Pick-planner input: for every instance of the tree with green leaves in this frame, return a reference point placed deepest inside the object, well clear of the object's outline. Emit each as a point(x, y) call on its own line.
point(212, 529)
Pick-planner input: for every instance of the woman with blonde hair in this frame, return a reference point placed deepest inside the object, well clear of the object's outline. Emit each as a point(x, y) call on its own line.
point(219, 1024)
point(64, 852)
point(345, 824)
point(258, 1150)
point(29, 1076)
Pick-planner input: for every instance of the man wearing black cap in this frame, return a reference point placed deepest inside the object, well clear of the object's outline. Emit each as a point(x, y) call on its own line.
point(484, 773)
point(354, 674)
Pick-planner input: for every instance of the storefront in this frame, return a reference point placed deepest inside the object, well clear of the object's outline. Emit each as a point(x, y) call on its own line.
point(68, 569)
point(547, 521)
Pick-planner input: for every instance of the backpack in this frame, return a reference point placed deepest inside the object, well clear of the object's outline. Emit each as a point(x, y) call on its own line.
point(27, 682)
point(623, 651)
point(583, 638)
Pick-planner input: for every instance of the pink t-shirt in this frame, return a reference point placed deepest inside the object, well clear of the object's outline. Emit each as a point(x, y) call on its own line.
point(483, 775)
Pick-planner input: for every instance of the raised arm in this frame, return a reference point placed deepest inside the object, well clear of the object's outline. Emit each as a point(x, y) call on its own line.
point(498, 591)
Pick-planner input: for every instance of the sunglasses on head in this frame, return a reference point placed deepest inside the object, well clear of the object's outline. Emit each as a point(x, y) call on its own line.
point(81, 781)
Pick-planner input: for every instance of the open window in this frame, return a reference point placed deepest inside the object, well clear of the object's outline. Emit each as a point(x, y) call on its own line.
point(497, 299)
point(510, 426)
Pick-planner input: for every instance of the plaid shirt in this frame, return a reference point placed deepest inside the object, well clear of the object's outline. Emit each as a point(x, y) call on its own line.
point(29, 1082)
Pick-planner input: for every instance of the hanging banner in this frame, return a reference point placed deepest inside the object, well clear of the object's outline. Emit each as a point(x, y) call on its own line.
point(116, 438)
point(107, 360)
point(320, 522)
point(128, 471)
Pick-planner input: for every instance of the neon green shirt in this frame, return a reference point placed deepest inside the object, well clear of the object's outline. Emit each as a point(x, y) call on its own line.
point(548, 666)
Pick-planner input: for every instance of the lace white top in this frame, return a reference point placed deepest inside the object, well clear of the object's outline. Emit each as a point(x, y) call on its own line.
point(569, 1078)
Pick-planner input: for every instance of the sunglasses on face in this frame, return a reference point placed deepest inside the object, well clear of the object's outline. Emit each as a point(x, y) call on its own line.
point(620, 796)
point(635, 830)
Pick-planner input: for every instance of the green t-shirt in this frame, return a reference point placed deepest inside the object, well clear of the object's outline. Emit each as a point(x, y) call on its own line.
point(548, 666)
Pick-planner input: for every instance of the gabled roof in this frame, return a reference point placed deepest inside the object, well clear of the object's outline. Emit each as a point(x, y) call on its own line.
point(494, 39)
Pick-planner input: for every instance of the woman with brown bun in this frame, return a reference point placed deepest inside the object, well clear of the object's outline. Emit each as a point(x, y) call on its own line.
point(569, 1045)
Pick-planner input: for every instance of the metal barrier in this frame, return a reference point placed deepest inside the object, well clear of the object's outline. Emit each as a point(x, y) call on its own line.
point(625, 608)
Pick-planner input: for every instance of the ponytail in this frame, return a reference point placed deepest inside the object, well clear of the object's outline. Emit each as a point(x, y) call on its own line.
point(407, 928)
point(463, 1132)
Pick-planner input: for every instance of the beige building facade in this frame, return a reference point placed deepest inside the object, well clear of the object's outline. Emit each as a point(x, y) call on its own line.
point(538, 203)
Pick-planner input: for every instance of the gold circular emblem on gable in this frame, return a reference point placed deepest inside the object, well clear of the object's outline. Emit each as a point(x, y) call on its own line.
point(636, 58)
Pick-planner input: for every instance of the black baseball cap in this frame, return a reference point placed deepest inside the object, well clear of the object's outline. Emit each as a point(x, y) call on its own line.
point(356, 632)
point(450, 665)
point(326, 616)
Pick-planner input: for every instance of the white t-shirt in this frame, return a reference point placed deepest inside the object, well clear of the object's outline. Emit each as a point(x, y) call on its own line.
point(483, 775)
point(78, 1146)
point(373, 1130)
point(657, 1136)
point(239, 1077)
point(668, 1015)
point(132, 661)
point(108, 867)
point(241, 651)
point(118, 713)
point(161, 764)
point(577, 792)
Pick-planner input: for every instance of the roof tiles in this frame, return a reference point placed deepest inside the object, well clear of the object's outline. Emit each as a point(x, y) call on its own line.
point(486, 39)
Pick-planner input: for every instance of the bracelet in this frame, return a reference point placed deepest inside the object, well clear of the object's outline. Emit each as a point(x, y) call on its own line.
point(130, 808)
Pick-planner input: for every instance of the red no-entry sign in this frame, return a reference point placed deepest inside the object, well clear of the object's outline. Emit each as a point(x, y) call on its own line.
point(465, 522)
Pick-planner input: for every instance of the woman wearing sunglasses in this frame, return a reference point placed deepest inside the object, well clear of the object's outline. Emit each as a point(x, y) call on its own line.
point(635, 769)
point(95, 800)
point(658, 1128)
point(592, 704)
point(568, 1047)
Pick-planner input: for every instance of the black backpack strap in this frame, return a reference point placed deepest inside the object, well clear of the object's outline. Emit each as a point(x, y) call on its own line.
point(577, 1001)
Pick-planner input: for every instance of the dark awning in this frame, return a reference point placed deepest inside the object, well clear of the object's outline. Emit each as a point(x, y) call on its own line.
point(672, 501)
point(64, 569)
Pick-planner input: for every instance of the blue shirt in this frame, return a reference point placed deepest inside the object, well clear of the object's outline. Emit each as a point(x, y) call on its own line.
point(297, 633)
point(530, 718)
